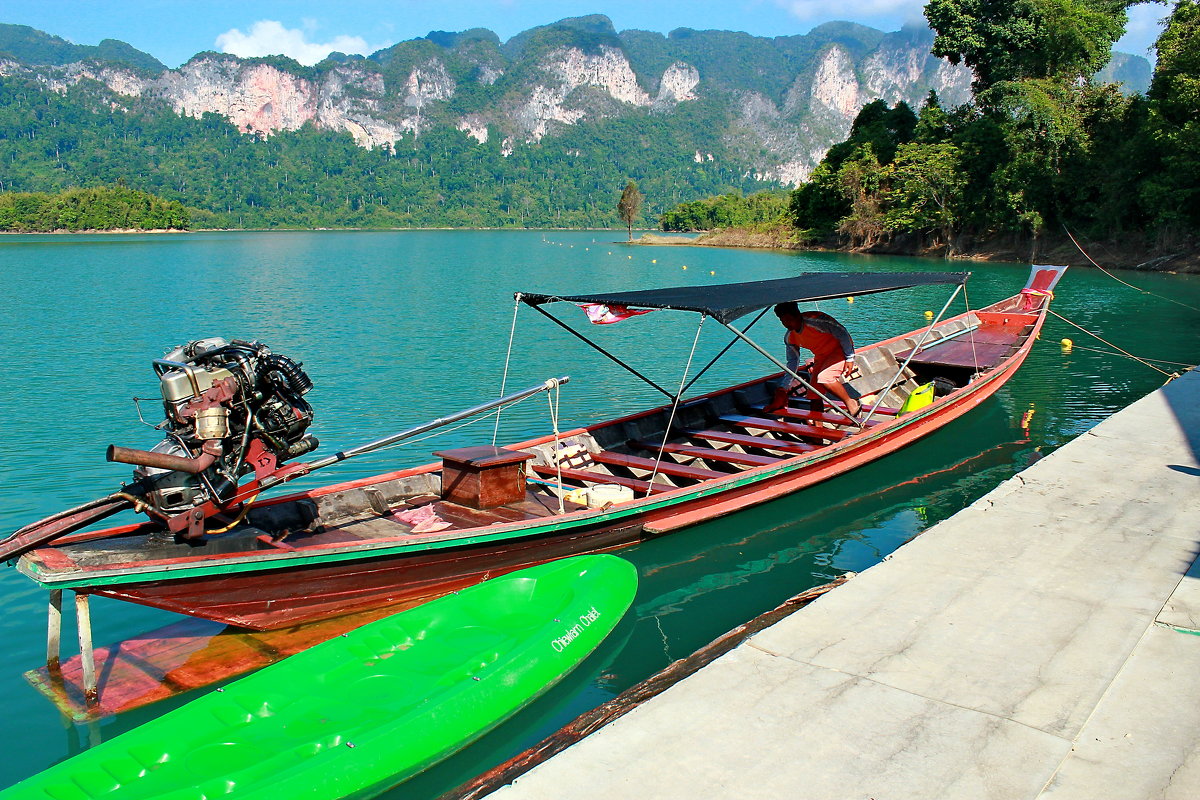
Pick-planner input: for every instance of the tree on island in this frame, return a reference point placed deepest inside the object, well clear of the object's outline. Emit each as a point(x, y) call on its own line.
point(629, 205)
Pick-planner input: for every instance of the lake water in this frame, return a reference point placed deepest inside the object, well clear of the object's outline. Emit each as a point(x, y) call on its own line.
point(399, 327)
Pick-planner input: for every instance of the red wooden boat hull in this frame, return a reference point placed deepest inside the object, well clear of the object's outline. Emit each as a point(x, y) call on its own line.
point(280, 595)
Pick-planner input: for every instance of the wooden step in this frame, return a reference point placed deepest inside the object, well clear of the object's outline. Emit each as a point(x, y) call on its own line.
point(711, 453)
point(610, 458)
point(585, 476)
point(750, 440)
point(775, 426)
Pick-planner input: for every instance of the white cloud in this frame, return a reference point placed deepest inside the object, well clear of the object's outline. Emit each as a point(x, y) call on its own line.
point(860, 10)
point(269, 38)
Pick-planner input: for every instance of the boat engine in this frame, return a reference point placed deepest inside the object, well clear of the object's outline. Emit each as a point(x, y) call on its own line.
point(231, 407)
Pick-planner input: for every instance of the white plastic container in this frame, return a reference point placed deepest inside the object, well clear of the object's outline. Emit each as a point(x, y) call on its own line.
point(607, 494)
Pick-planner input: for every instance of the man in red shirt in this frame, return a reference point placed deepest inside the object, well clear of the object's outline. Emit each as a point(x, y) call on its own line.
point(832, 349)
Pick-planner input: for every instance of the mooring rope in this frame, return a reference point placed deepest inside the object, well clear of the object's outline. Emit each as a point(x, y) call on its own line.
point(1170, 375)
point(974, 354)
point(1111, 353)
point(562, 508)
point(1118, 280)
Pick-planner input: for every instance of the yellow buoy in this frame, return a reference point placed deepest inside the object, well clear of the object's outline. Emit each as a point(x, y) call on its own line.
point(685, 266)
point(629, 256)
point(849, 299)
point(712, 272)
point(654, 261)
point(928, 315)
point(1067, 344)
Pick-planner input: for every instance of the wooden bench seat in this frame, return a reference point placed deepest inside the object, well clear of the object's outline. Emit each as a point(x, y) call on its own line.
point(792, 412)
point(775, 426)
point(711, 453)
point(750, 440)
point(586, 476)
point(609, 458)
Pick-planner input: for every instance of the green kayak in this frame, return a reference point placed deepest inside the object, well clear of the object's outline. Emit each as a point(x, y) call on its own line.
point(362, 712)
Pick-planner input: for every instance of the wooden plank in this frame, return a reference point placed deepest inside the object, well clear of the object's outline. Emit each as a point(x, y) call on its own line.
point(963, 354)
point(764, 424)
point(750, 440)
point(664, 467)
point(600, 477)
point(711, 453)
point(792, 412)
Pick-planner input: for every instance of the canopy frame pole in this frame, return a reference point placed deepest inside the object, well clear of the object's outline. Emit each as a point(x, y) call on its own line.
point(803, 382)
point(675, 407)
point(725, 350)
point(599, 349)
point(920, 343)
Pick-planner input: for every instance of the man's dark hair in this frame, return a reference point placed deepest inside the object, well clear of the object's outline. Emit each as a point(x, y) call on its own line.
point(789, 307)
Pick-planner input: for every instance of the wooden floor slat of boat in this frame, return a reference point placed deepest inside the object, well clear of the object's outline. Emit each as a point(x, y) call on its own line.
point(609, 458)
point(586, 476)
point(765, 424)
point(711, 453)
point(792, 412)
point(750, 440)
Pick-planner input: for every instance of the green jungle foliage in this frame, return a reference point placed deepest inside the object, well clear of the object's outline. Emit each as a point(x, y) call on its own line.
point(32, 46)
point(309, 178)
point(1038, 149)
point(763, 209)
point(103, 208)
point(312, 178)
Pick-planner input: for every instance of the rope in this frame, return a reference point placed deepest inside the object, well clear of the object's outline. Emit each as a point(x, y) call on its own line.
point(441, 431)
point(675, 406)
point(1113, 346)
point(1118, 280)
point(974, 354)
point(562, 509)
point(507, 357)
point(1110, 353)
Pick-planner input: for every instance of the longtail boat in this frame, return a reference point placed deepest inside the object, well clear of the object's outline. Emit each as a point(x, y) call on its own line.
point(407, 536)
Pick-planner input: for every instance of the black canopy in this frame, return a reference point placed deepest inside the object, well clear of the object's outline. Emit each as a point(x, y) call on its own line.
point(728, 301)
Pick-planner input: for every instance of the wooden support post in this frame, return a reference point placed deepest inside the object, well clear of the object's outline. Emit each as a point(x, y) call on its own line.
point(83, 620)
point(54, 631)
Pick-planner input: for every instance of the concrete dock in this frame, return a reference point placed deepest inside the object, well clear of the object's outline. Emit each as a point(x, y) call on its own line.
point(1042, 643)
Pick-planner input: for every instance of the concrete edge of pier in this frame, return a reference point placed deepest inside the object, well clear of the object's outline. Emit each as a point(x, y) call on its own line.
point(1042, 643)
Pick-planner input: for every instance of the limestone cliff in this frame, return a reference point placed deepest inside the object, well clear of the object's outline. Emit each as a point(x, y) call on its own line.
point(779, 105)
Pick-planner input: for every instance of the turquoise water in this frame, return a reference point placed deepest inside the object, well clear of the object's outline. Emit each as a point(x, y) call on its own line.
point(398, 328)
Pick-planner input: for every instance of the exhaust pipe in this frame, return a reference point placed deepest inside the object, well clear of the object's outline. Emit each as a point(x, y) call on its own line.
point(146, 458)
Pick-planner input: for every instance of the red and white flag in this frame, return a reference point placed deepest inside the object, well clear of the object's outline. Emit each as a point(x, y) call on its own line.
point(601, 314)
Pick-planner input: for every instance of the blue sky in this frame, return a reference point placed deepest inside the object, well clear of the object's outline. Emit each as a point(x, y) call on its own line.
point(174, 30)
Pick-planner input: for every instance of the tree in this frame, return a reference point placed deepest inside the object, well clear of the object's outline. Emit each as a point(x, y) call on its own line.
point(1172, 191)
point(629, 205)
point(1009, 40)
point(927, 184)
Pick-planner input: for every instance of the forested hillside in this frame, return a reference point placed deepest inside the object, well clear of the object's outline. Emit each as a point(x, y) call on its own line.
point(1041, 152)
point(452, 129)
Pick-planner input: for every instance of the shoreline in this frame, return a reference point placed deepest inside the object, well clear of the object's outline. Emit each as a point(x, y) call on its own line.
point(1129, 255)
point(1183, 259)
